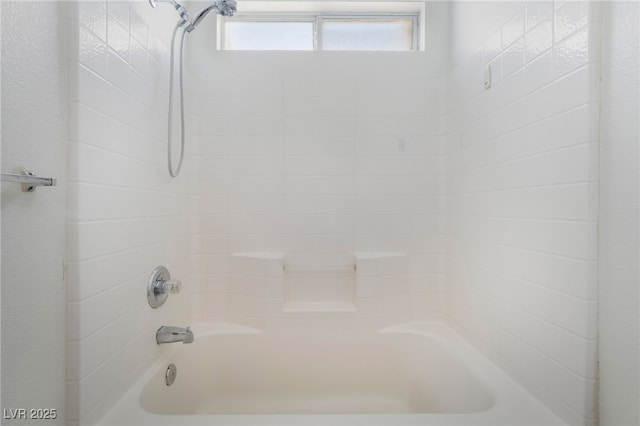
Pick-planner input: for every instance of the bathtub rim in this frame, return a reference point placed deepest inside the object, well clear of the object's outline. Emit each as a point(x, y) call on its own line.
point(509, 398)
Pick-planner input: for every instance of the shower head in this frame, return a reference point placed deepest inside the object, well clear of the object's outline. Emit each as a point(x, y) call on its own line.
point(226, 7)
point(223, 7)
point(184, 15)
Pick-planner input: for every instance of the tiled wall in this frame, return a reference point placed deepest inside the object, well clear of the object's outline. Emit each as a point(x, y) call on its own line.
point(125, 215)
point(372, 291)
point(319, 156)
point(522, 201)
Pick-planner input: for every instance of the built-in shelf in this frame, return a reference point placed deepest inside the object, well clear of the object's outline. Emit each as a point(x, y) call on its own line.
point(367, 284)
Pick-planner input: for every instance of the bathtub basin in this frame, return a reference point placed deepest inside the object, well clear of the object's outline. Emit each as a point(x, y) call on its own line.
point(414, 374)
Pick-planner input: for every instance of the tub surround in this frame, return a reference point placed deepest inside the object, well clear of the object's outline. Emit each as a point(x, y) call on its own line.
point(427, 183)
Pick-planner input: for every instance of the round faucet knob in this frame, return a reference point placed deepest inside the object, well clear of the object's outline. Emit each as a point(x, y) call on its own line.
point(170, 286)
point(160, 285)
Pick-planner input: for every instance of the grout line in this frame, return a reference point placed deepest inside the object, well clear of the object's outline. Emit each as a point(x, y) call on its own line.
point(561, 256)
point(527, 219)
point(534, 283)
point(521, 189)
point(532, 155)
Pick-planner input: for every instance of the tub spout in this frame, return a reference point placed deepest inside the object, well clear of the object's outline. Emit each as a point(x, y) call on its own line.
point(167, 334)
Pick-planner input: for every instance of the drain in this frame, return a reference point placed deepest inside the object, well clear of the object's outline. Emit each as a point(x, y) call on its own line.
point(170, 374)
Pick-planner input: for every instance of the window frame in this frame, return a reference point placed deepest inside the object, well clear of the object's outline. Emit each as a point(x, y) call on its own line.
point(317, 19)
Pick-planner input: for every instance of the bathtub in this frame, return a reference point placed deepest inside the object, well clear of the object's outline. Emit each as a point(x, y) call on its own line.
point(412, 374)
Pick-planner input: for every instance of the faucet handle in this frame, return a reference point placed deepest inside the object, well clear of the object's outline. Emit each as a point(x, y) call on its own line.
point(160, 285)
point(169, 286)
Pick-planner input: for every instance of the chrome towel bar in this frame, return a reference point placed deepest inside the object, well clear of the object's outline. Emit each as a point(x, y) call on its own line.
point(28, 179)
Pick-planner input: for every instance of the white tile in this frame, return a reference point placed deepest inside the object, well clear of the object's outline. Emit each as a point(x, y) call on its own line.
point(253, 185)
point(92, 51)
point(120, 11)
point(398, 185)
point(319, 125)
point(117, 36)
point(400, 166)
point(318, 224)
point(252, 204)
point(319, 204)
point(374, 104)
point(513, 58)
point(492, 47)
point(93, 15)
point(117, 71)
point(242, 105)
point(319, 105)
point(571, 91)
point(538, 39)
point(138, 56)
point(249, 166)
point(382, 224)
point(319, 185)
point(402, 143)
point(565, 275)
point(321, 244)
point(139, 28)
point(513, 30)
point(398, 125)
point(537, 11)
point(298, 145)
point(319, 165)
point(569, 17)
point(319, 86)
point(571, 53)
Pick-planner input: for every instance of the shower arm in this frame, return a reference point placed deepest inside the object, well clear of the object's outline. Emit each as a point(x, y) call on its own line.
point(223, 7)
point(184, 15)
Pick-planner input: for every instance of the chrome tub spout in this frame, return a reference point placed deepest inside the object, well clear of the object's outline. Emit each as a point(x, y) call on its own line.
point(166, 334)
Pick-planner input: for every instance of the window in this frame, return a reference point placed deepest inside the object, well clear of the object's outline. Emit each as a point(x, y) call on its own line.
point(365, 26)
point(267, 35)
point(368, 34)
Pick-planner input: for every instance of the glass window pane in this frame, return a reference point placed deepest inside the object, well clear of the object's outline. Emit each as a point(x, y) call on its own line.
point(362, 34)
point(268, 35)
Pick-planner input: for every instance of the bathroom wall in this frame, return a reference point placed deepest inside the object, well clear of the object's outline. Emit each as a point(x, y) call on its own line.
point(34, 134)
point(317, 156)
point(618, 254)
point(522, 195)
point(125, 214)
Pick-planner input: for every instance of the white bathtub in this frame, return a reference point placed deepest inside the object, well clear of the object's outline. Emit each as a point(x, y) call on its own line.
point(414, 374)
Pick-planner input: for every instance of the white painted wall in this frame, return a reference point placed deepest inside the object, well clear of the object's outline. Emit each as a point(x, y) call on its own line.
point(522, 196)
point(619, 241)
point(34, 134)
point(126, 215)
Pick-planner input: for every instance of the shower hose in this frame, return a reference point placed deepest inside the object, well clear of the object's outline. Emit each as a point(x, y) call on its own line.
point(175, 172)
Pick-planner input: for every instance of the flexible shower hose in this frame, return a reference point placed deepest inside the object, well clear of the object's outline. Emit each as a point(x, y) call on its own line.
point(170, 126)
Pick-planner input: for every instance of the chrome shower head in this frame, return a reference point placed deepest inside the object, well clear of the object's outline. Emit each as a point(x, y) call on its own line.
point(223, 7)
point(226, 7)
point(184, 15)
